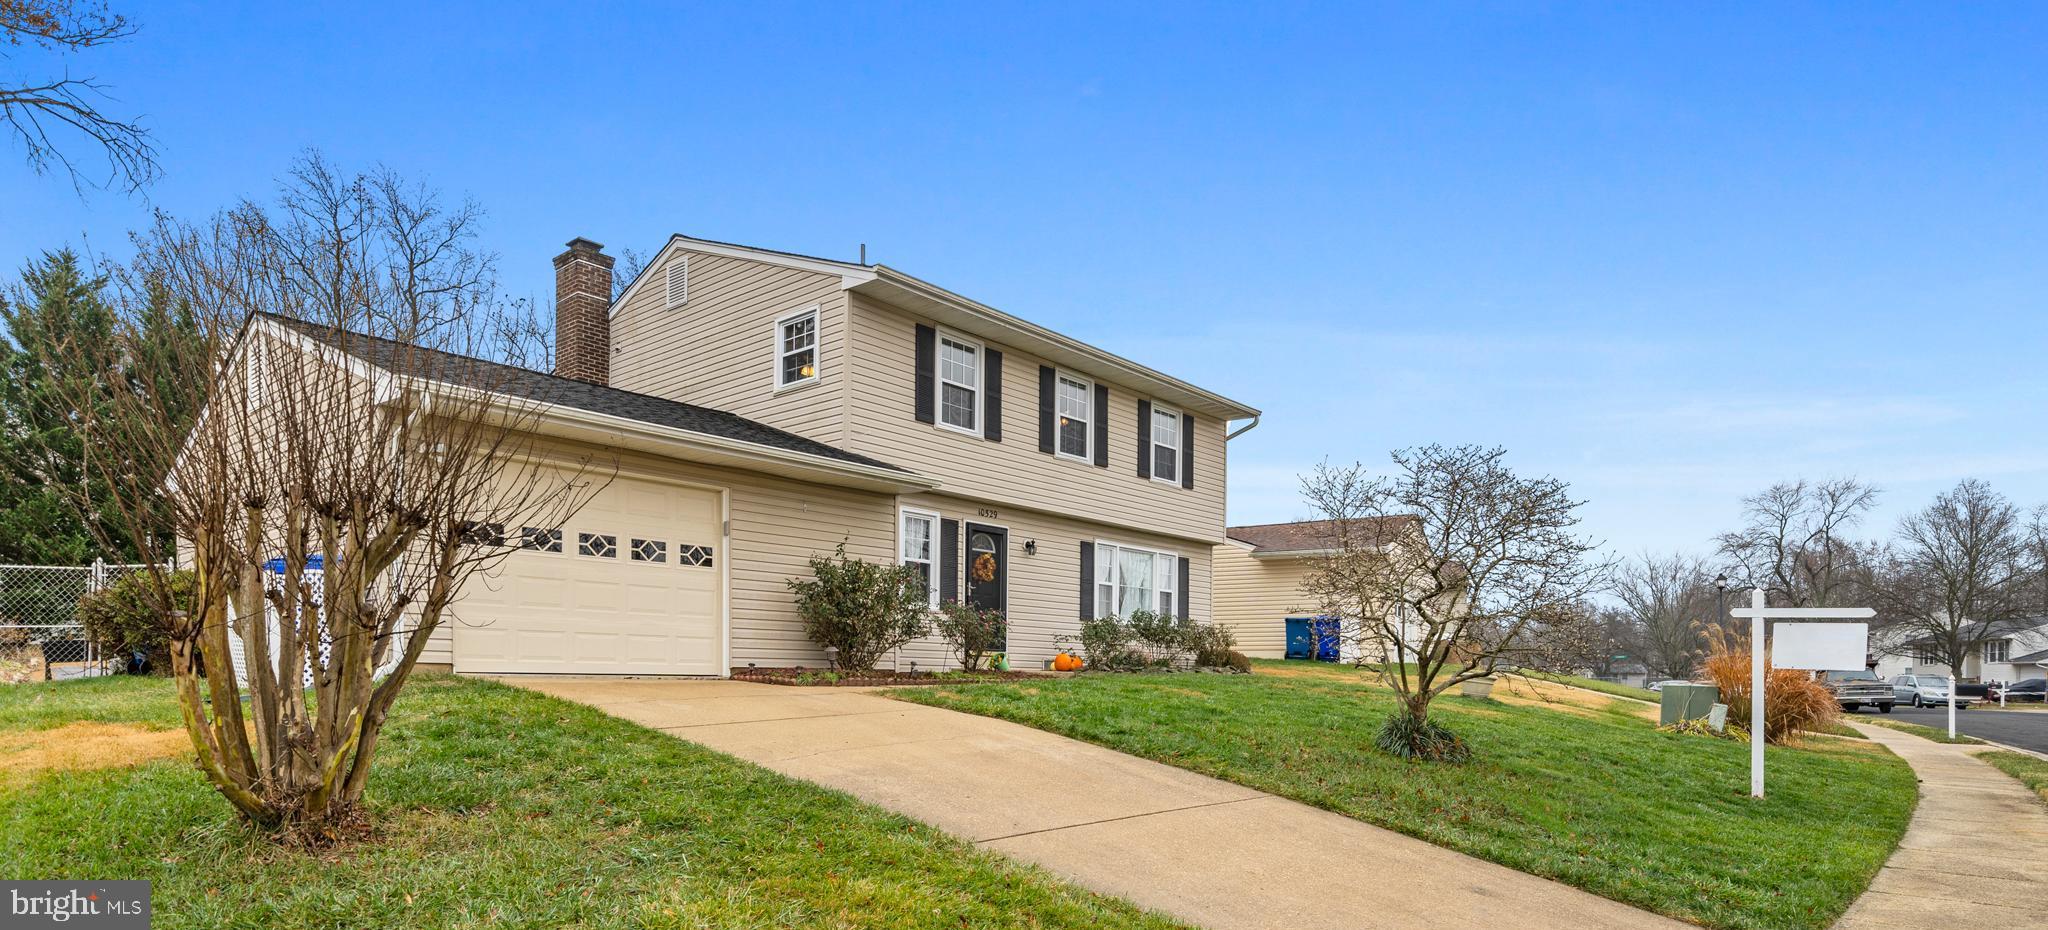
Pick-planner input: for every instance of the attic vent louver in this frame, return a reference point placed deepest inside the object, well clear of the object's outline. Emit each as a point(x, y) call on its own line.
point(678, 282)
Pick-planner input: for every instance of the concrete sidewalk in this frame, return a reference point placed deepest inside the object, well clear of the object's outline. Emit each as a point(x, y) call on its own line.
point(1973, 854)
point(1205, 851)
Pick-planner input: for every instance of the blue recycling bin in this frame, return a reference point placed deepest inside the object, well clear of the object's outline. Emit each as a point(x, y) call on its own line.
point(1312, 638)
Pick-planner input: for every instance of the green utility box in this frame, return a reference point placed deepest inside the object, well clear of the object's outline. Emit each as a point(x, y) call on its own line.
point(1687, 702)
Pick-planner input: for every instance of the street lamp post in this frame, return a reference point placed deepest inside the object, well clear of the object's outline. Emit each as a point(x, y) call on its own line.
point(1721, 594)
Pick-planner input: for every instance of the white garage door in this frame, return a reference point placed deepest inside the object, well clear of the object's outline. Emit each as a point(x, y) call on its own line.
point(630, 587)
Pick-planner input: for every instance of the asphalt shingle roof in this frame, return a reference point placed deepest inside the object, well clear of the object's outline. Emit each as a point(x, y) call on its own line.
point(582, 395)
point(1304, 535)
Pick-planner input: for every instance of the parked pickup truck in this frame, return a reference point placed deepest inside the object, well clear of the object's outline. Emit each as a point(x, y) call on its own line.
point(1855, 689)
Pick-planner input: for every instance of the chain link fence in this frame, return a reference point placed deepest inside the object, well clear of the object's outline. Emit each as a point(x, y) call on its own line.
point(40, 636)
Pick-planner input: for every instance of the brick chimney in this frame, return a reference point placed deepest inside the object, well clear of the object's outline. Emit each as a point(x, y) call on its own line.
point(583, 325)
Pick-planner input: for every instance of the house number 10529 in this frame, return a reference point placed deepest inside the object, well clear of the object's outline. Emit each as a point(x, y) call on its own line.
point(988, 513)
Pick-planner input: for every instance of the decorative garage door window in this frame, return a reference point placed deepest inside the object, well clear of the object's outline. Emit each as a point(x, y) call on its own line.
point(540, 540)
point(597, 545)
point(650, 550)
point(482, 534)
point(699, 556)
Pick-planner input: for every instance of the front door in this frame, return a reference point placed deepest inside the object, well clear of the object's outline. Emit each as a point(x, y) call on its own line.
point(988, 566)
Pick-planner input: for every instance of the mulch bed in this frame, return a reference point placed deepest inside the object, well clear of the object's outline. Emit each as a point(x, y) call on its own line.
point(800, 676)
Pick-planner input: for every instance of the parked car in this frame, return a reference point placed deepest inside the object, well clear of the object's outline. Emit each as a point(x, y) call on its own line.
point(1926, 691)
point(2026, 689)
point(1855, 689)
point(1659, 686)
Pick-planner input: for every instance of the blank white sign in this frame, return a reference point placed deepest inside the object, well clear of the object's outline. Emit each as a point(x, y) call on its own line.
point(1827, 647)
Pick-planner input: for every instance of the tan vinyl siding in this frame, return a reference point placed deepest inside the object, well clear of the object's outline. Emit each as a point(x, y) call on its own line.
point(718, 349)
point(1045, 589)
point(1254, 598)
point(1013, 472)
point(777, 525)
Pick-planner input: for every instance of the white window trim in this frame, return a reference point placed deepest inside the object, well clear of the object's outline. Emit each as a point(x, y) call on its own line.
point(817, 343)
point(2004, 645)
point(901, 512)
point(1087, 456)
point(1117, 568)
point(939, 383)
point(1152, 433)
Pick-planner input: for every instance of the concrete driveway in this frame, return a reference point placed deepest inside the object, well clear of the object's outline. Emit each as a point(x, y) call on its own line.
point(1206, 851)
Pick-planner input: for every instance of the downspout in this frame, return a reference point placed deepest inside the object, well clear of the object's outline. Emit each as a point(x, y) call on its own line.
point(1244, 429)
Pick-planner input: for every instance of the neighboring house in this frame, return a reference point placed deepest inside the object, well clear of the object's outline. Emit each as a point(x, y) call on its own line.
point(1259, 573)
point(2018, 653)
point(765, 407)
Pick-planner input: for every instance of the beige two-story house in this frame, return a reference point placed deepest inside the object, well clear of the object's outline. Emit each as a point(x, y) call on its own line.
point(763, 407)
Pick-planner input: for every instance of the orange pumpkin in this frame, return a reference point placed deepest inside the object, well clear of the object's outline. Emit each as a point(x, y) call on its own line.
point(1066, 663)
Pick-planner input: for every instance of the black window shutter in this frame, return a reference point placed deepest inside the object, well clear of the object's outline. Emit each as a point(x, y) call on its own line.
point(1046, 411)
point(1187, 455)
point(992, 395)
point(1144, 439)
point(949, 561)
point(927, 374)
point(1182, 600)
point(1101, 413)
point(1087, 581)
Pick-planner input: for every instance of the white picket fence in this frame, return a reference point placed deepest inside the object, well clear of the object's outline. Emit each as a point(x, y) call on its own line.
point(316, 579)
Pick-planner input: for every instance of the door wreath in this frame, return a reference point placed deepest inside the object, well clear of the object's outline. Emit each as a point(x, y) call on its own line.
point(985, 567)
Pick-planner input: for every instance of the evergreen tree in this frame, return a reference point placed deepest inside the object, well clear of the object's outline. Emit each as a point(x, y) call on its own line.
point(42, 439)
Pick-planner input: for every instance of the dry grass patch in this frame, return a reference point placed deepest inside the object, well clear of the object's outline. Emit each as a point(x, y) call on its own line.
point(84, 745)
point(1530, 692)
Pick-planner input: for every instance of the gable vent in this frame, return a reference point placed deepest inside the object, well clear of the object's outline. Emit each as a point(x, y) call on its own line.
point(678, 282)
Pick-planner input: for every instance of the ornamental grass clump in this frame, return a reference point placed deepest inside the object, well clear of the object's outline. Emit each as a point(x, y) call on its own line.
point(1794, 701)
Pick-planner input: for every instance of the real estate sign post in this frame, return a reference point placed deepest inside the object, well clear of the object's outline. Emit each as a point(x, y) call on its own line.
point(1825, 646)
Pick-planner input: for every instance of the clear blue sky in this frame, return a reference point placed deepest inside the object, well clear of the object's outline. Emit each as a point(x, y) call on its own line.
point(1667, 252)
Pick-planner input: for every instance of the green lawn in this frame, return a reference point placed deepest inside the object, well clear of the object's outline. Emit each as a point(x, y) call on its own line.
point(1937, 734)
point(1588, 793)
point(2030, 770)
point(500, 806)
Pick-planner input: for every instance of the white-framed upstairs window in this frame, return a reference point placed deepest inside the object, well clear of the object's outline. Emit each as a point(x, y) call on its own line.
point(1129, 578)
point(796, 348)
point(1074, 403)
point(959, 383)
point(1166, 442)
point(918, 541)
point(1998, 650)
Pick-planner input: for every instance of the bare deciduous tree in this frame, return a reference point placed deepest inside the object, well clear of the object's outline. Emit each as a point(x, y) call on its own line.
point(1956, 575)
point(39, 112)
point(345, 420)
point(1446, 570)
point(1794, 543)
point(1666, 599)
